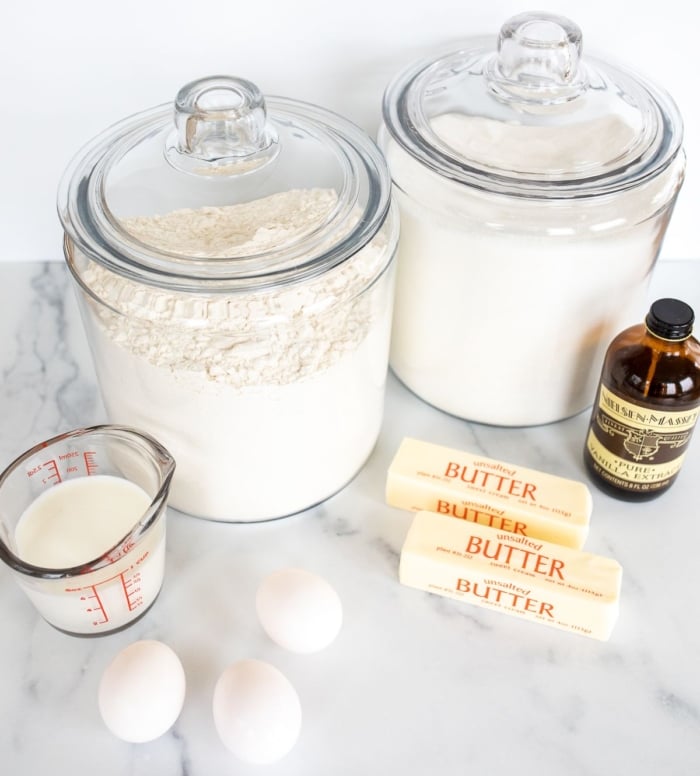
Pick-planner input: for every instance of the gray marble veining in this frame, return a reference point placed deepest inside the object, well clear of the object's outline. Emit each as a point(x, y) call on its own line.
point(415, 684)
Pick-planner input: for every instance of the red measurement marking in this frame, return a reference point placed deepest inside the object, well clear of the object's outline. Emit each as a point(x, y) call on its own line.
point(95, 596)
point(52, 468)
point(91, 466)
point(130, 583)
point(132, 588)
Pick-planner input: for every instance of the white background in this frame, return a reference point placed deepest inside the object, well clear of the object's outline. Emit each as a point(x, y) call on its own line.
point(69, 69)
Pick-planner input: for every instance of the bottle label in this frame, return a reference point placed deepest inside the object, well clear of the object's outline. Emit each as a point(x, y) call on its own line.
point(635, 447)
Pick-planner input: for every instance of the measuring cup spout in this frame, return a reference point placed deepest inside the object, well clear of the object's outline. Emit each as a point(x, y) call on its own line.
point(165, 463)
point(167, 469)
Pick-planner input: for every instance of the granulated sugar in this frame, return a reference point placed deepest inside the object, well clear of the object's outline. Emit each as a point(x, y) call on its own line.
point(269, 400)
point(505, 304)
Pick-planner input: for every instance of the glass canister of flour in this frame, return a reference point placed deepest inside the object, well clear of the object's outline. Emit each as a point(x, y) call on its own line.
point(535, 187)
point(233, 257)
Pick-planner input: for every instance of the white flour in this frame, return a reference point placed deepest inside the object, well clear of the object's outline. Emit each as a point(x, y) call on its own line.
point(504, 306)
point(269, 401)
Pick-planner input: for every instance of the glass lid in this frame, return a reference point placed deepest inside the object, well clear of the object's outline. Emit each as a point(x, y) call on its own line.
point(225, 185)
point(533, 117)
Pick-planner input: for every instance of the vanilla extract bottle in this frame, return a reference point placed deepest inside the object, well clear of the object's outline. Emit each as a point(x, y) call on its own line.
point(647, 405)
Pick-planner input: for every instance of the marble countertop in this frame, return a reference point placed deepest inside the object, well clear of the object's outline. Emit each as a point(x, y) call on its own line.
point(415, 684)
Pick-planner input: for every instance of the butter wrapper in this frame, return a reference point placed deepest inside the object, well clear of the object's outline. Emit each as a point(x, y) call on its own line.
point(496, 494)
point(535, 580)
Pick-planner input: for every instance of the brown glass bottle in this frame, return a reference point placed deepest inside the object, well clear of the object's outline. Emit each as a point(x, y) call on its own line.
point(647, 403)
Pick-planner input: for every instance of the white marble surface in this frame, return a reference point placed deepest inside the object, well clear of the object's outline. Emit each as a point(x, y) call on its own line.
point(415, 684)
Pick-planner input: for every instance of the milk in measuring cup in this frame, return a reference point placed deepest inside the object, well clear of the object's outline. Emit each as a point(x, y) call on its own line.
point(77, 521)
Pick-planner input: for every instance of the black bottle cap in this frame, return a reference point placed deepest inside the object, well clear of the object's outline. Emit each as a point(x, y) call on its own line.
point(670, 319)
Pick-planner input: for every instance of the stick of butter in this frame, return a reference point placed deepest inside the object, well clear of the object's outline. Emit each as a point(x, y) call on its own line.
point(536, 580)
point(429, 477)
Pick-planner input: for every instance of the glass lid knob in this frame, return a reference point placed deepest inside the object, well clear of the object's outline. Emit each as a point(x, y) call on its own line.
point(538, 60)
point(221, 128)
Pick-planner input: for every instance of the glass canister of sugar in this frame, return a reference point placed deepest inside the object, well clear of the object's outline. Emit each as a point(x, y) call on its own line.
point(233, 259)
point(535, 188)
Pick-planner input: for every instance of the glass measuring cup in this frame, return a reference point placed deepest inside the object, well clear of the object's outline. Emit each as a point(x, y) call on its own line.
point(102, 593)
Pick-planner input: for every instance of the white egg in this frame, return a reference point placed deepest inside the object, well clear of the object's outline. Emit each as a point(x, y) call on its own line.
point(257, 712)
point(299, 610)
point(142, 691)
